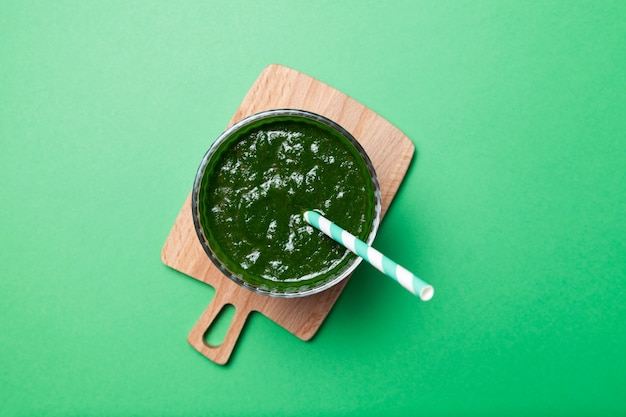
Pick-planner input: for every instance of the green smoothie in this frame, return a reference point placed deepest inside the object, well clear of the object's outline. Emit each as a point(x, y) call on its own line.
point(258, 183)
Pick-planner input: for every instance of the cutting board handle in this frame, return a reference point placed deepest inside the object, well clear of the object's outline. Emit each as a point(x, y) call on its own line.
point(220, 353)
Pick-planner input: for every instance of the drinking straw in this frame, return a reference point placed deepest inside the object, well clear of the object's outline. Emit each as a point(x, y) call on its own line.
point(399, 274)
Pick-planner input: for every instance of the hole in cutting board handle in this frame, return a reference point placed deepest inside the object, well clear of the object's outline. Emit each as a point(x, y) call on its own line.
point(215, 334)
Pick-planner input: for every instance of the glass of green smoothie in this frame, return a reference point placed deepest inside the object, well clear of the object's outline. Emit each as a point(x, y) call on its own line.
point(253, 186)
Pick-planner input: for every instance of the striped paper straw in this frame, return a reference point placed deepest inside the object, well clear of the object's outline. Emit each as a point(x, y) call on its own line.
point(399, 274)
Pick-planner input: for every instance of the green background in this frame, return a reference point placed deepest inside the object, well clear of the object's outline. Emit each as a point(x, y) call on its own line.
point(513, 208)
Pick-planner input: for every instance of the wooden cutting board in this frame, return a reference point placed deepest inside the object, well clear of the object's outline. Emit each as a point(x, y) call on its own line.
point(388, 148)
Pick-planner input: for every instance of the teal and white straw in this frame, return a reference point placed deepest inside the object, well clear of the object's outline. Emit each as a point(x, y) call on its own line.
point(399, 274)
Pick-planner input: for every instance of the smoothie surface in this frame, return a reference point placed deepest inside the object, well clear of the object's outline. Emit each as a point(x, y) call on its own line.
point(258, 184)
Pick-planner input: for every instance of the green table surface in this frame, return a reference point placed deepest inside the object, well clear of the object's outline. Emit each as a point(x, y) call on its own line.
point(514, 207)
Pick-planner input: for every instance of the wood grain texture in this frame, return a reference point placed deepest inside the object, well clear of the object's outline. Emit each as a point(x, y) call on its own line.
point(388, 148)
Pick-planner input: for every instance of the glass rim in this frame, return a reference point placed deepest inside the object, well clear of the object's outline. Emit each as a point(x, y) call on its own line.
point(213, 150)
